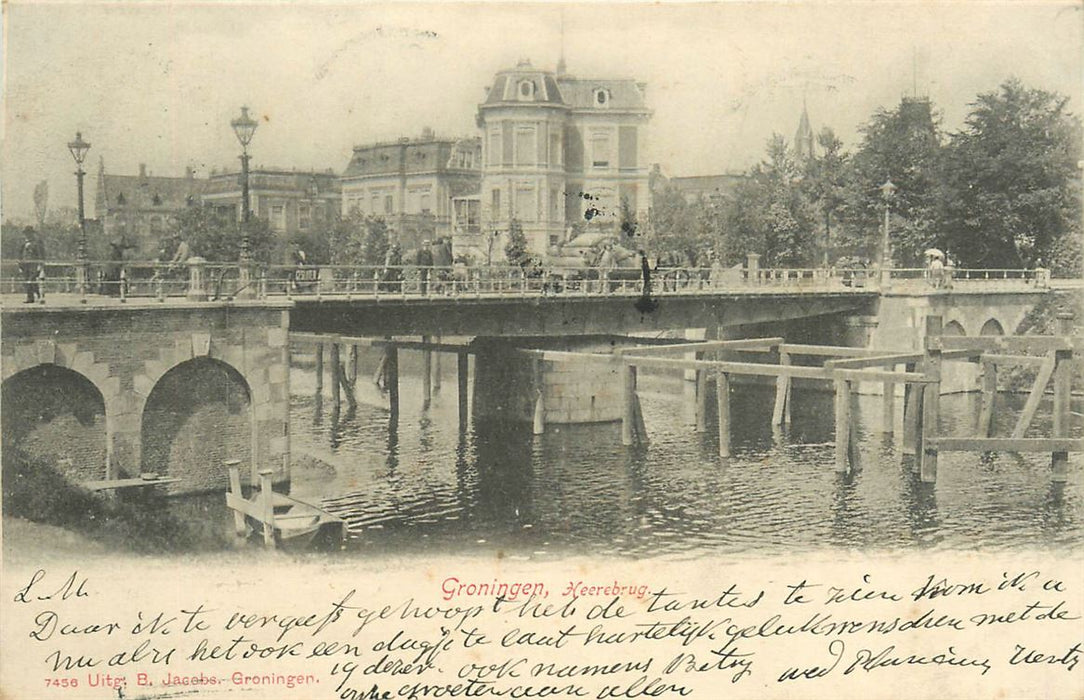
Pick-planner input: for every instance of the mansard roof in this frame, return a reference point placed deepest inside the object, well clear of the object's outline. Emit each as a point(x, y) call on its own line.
point(525, 84)
point(148, 192)
point(509, 84)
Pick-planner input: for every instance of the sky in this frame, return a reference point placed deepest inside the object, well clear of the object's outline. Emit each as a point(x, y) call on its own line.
point(158, 82)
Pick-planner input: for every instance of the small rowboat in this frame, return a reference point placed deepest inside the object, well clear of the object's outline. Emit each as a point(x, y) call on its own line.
point(280, 520)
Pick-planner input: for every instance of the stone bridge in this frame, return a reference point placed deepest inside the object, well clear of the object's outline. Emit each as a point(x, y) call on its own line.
point(110, 391)
point(109, 387)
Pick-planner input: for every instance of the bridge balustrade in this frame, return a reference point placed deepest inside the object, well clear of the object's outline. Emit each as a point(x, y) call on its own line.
point(156, 280)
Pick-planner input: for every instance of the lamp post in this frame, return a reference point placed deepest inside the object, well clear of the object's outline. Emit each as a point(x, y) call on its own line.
point(887, 191)
point(79, 149)
point(244, 127)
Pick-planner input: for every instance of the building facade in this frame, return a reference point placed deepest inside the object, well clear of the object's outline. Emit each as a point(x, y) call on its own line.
point(412, 183)
point(561, 154)
point(138, 209)
point(291, 201)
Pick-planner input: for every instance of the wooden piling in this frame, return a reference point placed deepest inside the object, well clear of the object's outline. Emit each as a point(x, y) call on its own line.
point(931, 403)
point(781, 411)
point(638, 413)
point(722, 386)
point(539, 383)
point(628, 413)
point(436, 369)
point(989, 398)
point(233, 466)
point(1063, 379)
point(701, 399)
point(336, 380)
point(843, 424)
point(391, 372)
point(353, 367)
point(267, 508)
point(319, 369)
point(888, 407)
point(912, 406)
point(463, 369)
point(427, 374)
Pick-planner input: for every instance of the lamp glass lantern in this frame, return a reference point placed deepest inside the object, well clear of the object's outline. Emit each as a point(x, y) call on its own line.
point(79, 148)
point(244, 127)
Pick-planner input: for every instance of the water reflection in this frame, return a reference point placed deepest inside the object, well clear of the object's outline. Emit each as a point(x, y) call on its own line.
point(422, 482)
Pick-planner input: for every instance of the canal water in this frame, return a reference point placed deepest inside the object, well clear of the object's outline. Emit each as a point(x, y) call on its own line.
point(498, 490)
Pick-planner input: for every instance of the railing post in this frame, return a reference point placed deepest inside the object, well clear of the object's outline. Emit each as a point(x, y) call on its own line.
point(931, 401)
point(1063, 380)
point(123, 282)
point(41, 283)
point(197, 269)
point(752, 267)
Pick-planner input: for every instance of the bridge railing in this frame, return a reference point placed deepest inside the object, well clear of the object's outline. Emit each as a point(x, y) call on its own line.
point(903, 279)
point(199, 279)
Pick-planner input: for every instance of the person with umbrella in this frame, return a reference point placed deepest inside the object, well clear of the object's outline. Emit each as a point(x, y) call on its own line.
point(935, 267)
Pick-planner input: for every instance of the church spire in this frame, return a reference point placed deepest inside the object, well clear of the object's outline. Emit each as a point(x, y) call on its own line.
point(561, 67)
point(803, 138)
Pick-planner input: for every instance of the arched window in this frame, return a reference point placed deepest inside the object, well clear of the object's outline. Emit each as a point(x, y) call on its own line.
point(992, 327)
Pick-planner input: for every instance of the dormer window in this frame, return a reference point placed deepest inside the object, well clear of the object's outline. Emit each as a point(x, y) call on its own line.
point(526, 89)
point(602, 97)
point(121, 200)
point(157, 199)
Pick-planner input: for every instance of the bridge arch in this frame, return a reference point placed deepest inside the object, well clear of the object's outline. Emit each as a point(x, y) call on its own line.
point(57, 415)
point(953, 328)
point(992, 327)
point(198, 414)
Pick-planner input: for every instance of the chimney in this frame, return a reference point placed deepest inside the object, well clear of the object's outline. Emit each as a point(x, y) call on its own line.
point(143, 170)
point(188, 172)
point(427, 133)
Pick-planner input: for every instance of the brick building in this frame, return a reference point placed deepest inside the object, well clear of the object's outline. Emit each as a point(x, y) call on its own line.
point(139, 208)
point(412, 182)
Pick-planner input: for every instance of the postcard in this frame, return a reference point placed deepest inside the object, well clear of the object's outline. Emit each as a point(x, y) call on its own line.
point(505, 350)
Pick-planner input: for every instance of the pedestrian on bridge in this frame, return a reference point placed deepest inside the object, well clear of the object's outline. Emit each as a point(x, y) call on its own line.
point(30, 265)
point(424, 260)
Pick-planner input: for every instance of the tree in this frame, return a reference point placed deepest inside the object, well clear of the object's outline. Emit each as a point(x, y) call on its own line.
point(41, 202)
point(770, 213)
point(675, 225)
point(515, 249)
point(375, 247)
point(902, 145)
point(825, 184)
point(1012, 193)
point(217, 238)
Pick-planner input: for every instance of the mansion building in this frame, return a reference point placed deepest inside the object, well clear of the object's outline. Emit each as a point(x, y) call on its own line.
point(561, 154)
point(411, 183)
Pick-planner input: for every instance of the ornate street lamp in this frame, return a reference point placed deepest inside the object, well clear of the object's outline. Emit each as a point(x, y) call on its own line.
point(79, 149)
point(244, 127)
point(888, 190)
